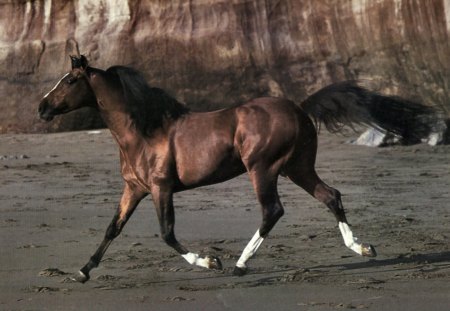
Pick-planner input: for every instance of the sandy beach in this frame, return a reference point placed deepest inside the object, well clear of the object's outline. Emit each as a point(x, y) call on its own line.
point(58, 193)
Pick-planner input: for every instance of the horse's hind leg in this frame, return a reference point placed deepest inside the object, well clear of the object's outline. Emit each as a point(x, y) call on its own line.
point(266, 191)
point(308, 180)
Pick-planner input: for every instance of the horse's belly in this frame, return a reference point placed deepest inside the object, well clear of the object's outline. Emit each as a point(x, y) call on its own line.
point(210, 173)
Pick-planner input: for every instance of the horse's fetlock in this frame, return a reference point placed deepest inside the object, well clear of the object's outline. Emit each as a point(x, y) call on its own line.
point(93, 263)
point(169, 238)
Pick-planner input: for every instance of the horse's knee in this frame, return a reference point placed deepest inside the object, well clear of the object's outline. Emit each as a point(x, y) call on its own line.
point(114, 228)
point(112, 232)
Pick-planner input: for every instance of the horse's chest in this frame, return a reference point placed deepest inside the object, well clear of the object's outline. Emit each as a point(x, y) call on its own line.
point(135, 176)
point(144, 172)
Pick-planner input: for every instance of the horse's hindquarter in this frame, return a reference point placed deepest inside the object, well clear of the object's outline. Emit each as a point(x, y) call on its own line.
point(270, 131)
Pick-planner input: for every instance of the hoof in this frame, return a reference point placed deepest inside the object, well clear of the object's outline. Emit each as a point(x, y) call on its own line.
point(214, 263)
point(368, 250)
point(239, 271)
point(81, 277)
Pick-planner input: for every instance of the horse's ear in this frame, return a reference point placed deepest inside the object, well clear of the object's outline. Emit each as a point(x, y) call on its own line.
point(79, 62)
point(83, 62)
point(74, 61)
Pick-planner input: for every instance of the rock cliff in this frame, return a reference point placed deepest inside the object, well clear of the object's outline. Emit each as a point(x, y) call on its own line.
point(214, 53)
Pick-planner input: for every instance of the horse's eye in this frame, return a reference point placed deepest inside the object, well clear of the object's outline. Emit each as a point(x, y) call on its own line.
point(71, 80)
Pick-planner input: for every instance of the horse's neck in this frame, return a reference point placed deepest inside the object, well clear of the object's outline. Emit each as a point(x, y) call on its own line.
point(110, 104)
point(122, 129)
point(114, 114)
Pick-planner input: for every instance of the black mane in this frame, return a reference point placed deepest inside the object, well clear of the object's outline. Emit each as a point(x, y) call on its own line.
point(147, 106)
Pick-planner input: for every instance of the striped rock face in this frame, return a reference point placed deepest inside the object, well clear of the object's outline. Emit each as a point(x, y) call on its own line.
point(248, 48)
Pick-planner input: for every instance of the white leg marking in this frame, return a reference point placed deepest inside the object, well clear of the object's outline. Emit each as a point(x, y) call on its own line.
point(250, 250)
point(56, 85)
point(349, 240)
point(194, 259)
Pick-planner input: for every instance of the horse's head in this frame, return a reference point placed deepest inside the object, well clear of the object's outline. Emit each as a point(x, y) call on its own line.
point(70, 93)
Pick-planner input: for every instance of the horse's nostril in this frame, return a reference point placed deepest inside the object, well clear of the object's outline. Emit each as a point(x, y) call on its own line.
point(43, 106)
point(44, 112)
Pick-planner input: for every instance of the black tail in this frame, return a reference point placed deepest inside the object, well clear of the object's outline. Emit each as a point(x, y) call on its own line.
point(347, 103)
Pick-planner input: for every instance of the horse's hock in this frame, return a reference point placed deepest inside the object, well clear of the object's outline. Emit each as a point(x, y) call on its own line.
point(216, 53)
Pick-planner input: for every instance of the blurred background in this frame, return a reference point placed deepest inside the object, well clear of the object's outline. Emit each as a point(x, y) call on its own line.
point(215, 53)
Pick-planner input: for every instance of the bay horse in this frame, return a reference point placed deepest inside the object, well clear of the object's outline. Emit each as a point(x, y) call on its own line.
point(165, 148)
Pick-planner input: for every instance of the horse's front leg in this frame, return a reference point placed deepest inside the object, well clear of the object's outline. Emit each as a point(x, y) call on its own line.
point(128, 203)
point(163, 200)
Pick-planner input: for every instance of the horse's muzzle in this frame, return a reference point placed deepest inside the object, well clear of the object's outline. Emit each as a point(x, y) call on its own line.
point(44, 111)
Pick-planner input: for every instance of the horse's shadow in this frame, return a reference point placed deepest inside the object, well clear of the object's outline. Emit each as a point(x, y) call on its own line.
point(442, 258)
point(401, 263)
point(292, 274)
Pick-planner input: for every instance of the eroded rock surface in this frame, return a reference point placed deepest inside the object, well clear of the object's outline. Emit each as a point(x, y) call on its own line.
point(216, 53)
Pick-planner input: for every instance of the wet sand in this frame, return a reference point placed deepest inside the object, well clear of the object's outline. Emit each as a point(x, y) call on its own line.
point(58, 193)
